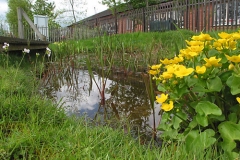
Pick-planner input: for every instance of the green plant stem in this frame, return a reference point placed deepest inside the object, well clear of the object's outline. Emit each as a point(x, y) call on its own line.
point(193, 95)
point(186, 122)
point(218, 101)
point(18, 67)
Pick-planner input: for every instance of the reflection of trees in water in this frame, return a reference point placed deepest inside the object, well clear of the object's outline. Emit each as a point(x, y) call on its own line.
point(72, 82)
point(130, 102)
point(125, 99)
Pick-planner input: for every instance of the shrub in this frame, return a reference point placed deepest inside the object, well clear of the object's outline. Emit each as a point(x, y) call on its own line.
point(200, 93)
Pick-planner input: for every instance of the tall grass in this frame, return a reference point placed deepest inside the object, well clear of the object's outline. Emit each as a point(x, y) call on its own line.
point(132, 52)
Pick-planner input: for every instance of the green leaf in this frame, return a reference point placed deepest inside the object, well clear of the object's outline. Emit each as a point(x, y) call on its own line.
point(200, 141)
point(161, 88)
point(202, 120)
point(178, 118)
point(206, 108)
point(223, 58)
point(213, 52)
point(233, 83)
point(194, 104)
point(199, 88)
point(217, 117)
point(214, 72)
point(230, 132)
point(172, 133)
point(182, 90)
point(191, 81)
point(233, 117)
point(214, 84)
point(164, 124)
point(193, 123)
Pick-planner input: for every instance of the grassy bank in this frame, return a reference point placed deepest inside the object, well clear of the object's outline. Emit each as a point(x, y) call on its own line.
point(32, 127)
point(131, 52)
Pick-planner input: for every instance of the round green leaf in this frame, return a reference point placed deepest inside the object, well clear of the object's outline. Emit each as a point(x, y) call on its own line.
point(214, 84)
point(206, 108)
point(230, 132)
point(200, 141)
point(233, 83)
point(202, 120)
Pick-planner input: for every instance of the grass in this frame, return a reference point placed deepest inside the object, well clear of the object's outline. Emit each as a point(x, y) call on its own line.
point(33, 127)
point(130, 50)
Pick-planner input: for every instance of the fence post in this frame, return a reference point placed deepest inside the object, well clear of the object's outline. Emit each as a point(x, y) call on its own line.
point(20, 24)
point(144, 19)
point(21, 13)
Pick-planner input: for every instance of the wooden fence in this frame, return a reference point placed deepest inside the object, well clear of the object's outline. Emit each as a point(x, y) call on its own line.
point(195, 15)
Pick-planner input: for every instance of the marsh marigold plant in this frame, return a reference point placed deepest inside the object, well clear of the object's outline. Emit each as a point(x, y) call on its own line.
point(201, 93)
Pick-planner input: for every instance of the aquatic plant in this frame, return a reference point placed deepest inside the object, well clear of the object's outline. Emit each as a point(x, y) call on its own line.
point(200, 93)
point(103, 73)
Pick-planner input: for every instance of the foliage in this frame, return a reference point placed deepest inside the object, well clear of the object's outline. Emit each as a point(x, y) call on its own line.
point(72, 11)
point(112, 3)
point(12, 18)
point(141, 3)
point(42, 7)
point(115, 6)
point(200, 93)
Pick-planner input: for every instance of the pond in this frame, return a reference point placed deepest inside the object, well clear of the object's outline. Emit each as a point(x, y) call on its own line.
point(125, 96)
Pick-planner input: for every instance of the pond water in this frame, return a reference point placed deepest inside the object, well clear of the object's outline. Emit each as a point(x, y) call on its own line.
point(125, 96)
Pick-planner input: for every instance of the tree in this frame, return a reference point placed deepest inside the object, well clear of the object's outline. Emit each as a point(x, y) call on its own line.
point(12, 17)
point(142, 3)
point(115, 6)
point(43, 7)
point(73, 11)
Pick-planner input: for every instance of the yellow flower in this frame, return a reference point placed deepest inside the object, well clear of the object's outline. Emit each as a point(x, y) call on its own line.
point(212, 61)
point(153, 72)
point(217, 45)
point(163, 97)
point(202, 37)
point(200, 70)
point(170, 68)
point(194, 43)
point(196, 38)
point(193, 54)
point(165, 61)
point(224, 35)
point(197, 49)
point(235, 59)
point(167, 106)
point(236, 36)
point(231, 66)
point(238, 99)
point(232, 45)
point(182, 71)
point(178, 59)
point(167, 75)
point(156, 66)
point(222, 41)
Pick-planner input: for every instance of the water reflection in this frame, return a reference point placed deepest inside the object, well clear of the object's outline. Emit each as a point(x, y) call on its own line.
point(125, 97)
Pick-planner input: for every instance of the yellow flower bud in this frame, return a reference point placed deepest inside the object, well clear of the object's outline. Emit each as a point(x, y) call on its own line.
point(238, 99)
point(231, 66)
